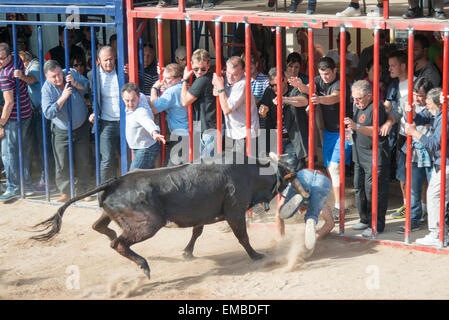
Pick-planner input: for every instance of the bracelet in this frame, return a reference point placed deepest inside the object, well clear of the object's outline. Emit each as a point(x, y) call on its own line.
point(220, 90)
point(1, 126)
point(357, 127)
point(184, 80)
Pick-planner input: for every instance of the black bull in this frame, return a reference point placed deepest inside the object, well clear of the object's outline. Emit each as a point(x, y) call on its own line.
point(192, 195)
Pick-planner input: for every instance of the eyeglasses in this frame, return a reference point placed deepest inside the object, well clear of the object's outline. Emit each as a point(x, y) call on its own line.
point(197, 69)
point(20, 43)
point(272, 85)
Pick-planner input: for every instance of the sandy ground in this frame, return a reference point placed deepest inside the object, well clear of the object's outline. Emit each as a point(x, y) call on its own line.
point(79, 264)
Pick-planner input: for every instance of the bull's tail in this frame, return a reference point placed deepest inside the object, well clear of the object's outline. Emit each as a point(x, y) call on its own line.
point(53, 224)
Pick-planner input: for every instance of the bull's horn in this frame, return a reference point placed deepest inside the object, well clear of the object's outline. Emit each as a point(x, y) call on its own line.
point(298, 186)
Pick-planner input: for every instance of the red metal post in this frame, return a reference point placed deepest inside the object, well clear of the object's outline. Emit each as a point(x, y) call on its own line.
point(160, 38)
point(182, 6)
point(342, 126)
point(408, 167)
point(280, 75)
point(311, 55)
point(386, 9)
point(331, 38)
point(248, 85)
point(132, 44)
point(359, 41)
point(218, 72)
point(189, 67)
point(376, 60)
point(444, 139)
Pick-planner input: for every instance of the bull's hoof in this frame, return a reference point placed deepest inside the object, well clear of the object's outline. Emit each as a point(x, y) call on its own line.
point(257, 256)
point(188, 255)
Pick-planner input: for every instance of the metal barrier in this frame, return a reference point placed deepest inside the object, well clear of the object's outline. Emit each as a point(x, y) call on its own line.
point(278, 22)
point(111, 8)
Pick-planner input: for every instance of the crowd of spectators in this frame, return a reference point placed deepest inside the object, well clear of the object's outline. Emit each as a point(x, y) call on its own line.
point(202, 88)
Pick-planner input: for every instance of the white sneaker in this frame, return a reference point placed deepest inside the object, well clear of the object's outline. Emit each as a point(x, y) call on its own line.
point(310, 236)
point(360, 226)
point(368, 233)
point(428, 240)
point(349, 12)
point(376, 13)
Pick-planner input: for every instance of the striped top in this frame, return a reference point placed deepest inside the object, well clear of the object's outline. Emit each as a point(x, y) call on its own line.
point(8, 83)
point(259, 84)
point(150, 76)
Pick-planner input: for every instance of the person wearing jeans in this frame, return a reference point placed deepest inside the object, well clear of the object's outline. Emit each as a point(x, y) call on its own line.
point(142, 134)
point(318, 187)
point(108, 99)
point(9, 123)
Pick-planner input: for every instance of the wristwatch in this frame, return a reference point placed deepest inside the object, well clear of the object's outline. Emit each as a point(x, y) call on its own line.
point(357, 127)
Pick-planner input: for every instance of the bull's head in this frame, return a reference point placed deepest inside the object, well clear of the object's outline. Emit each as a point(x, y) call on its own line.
point(286, 174)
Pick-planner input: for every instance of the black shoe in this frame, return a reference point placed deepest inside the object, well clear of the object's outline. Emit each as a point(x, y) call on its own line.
point(440, 15)
point(293, 7)
point(412, 13)
point(401, 230)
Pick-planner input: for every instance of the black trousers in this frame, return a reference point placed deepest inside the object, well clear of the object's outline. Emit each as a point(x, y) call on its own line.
point(363, 182)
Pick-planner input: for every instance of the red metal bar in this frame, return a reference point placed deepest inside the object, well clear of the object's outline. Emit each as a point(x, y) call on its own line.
point(331, 38)
point(141, 28)
point(375, 184)
point(342, 126)
point(248, 44)
point(280, 74)
point(359, 41)
point(160, 48)
point(311, 56)
point(189, 67)
point(386, 8)
point(408, 167)
point(444, 139)
point(181, 6)
point(132, 45)
point(218, 72)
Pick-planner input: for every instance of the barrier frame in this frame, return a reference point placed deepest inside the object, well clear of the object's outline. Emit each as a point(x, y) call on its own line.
point(111, 8)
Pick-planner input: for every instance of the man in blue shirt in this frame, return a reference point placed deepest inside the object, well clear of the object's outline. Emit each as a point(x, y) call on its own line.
point(56, 91)
point(177, 115)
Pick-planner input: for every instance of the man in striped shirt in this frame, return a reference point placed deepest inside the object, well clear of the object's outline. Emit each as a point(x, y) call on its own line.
point(9, 124)
point(150, 75)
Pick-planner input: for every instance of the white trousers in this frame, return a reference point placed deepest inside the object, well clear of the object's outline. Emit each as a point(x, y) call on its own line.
point(433, 201)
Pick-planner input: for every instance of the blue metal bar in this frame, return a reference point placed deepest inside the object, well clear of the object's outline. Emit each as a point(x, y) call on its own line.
point(57, 23)
point(69, 112)
point(120, 27)
point(19, 117)
point(141, 65)
point(55, 9)
point(44, 121)
point(59, 2)
point(94, 102)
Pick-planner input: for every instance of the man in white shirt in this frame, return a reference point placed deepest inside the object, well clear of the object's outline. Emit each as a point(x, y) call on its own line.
point(142, 134)
point(108, 102)
point(232, 95)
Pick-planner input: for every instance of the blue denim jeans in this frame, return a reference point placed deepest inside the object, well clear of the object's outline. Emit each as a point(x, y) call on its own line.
point(109, 149)
point(318, 186)
point(145, 158)
point(418, 177)
point(208, 145)
point(10, 155)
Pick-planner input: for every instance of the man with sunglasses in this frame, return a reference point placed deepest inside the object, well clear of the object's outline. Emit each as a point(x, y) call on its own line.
point(200, 96)
point(361, 125)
